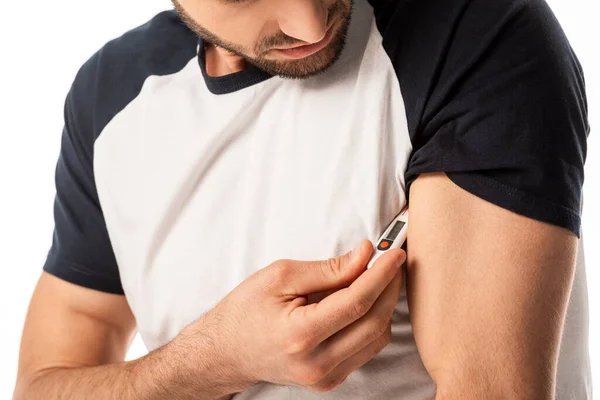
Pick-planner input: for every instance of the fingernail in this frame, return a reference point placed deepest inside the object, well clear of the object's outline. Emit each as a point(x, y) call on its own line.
point(355, 254)
point(400, 260)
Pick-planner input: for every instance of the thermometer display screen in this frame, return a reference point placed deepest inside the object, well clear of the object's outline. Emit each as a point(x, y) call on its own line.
point(395, 231)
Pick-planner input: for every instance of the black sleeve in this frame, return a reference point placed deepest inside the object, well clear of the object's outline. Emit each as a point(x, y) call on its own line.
point(109, 80)
point(81, 251)
point(502, 109)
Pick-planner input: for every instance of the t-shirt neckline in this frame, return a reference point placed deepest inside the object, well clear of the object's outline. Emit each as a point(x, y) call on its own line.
point(231, 82)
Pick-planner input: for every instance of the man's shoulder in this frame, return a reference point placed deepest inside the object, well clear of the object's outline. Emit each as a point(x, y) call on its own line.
point(155, 45)
point(412, 21)
point(114, 75)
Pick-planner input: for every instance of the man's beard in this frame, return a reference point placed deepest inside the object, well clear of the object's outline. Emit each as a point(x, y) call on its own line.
point(293, 69)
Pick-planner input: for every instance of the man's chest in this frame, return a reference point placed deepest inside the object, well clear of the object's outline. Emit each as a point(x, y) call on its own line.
point(200, 191)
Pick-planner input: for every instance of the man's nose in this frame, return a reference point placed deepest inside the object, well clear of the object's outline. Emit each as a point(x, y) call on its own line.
point(304, 20)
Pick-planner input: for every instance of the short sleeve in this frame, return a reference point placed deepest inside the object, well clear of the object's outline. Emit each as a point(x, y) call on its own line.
point(506, 114)
point(81, 252)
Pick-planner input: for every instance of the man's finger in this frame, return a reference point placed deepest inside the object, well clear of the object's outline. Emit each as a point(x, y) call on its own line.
point(305, 277)
point(339, 374)
point(353, 338)
point(345, 306)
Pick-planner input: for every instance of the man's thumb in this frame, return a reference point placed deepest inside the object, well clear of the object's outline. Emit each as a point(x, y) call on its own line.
point(316, 276)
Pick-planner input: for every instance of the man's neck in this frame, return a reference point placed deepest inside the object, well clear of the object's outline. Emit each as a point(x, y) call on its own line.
point(220, 62)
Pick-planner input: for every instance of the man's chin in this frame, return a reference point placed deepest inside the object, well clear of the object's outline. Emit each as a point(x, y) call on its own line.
point(297, 69)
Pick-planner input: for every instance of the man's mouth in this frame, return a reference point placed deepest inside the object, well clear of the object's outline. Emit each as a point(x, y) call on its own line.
point(301, 51)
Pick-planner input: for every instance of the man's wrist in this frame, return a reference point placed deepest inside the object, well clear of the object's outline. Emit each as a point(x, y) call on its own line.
point(193, 365)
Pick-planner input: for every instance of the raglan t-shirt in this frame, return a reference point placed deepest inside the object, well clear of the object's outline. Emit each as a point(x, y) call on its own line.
point(174, 186)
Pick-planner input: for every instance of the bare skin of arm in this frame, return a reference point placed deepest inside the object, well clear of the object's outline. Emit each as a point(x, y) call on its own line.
point(74, 345)
point(487, 291)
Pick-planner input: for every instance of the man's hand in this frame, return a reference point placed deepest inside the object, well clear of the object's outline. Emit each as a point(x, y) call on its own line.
point(268, 331)
point(75, 338)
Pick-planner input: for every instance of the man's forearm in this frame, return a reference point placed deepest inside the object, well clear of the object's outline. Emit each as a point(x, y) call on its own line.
point(180, 370)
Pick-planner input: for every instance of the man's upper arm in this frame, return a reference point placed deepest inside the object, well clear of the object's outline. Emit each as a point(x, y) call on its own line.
point(487, 291)
point(78, 314)
point(497, 113)
point(81, 251)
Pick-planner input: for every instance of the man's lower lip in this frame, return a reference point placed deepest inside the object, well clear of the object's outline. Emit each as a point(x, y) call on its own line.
point(305, 51)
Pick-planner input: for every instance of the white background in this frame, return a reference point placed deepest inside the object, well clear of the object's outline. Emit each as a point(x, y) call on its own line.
point(43, 44)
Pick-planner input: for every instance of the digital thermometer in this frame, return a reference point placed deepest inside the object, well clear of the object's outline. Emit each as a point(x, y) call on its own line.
point(393, 237)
